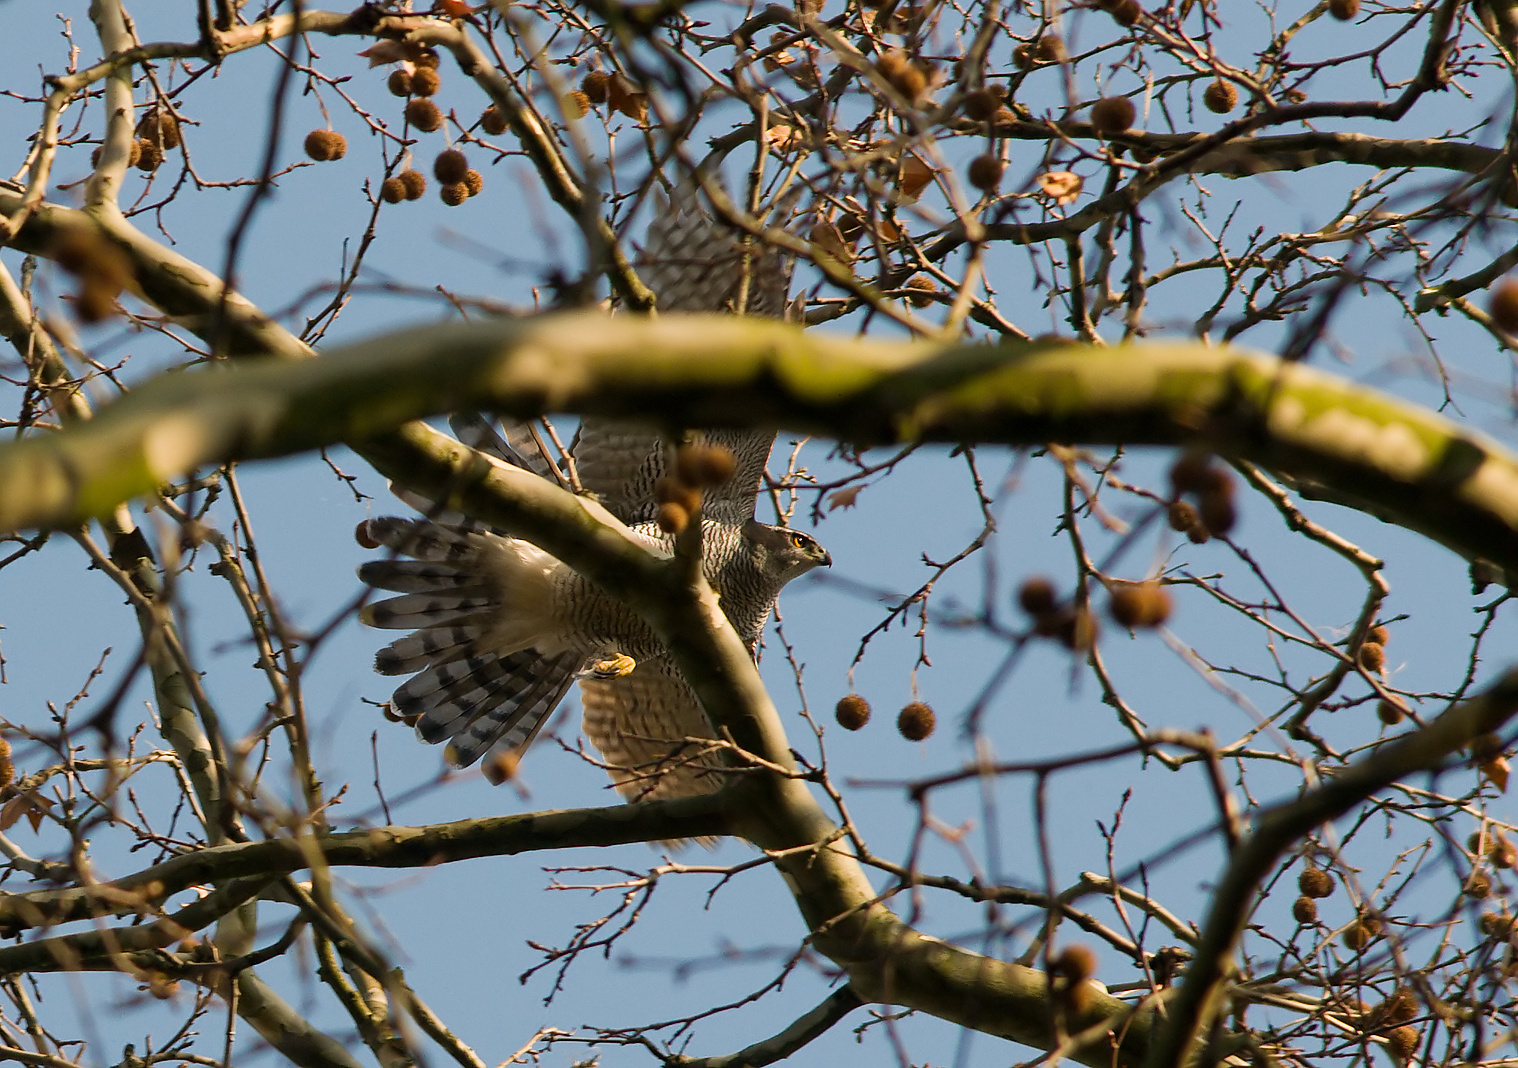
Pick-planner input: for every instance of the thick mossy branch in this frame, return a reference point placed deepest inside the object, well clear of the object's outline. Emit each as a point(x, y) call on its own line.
point(1394, 459)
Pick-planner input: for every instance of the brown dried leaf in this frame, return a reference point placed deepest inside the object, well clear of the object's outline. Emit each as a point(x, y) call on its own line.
point(783, 137)
point(830, 242)
point(844, 498)
point(1063, 187)
point(11, 812)
point(915, 176)
point(384, 52)
point(623, 96)
point(31, 804)
point(1496, 772)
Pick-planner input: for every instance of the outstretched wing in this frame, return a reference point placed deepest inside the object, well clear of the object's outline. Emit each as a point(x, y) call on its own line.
point(650, 730)
point(693, 264)
point(463, 689)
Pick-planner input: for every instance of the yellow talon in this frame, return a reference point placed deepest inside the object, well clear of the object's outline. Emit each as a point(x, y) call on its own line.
point(613, 667)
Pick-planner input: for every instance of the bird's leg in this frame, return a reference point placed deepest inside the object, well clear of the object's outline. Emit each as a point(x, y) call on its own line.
point(610, 667)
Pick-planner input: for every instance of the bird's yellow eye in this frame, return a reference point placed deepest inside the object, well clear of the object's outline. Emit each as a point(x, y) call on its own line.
point(798, 540)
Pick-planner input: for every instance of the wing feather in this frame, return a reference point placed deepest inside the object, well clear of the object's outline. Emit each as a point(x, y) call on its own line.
point(640, 723)
point(693, 264)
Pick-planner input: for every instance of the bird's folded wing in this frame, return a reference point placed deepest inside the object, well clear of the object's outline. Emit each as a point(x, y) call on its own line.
point(652, 733)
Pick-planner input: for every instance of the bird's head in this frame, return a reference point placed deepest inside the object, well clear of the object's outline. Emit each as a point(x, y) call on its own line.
point(785, 553)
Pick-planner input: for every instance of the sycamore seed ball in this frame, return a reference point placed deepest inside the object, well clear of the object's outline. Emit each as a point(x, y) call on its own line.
point(1076, 963)
point(324, 145)
point(596, 85)
point(852, 712)
point(399, 82)
point(921, 289)
point(424, 115)
point(1315, 882)
point(1372, 656)
point(1219, 515)
point(160, 127)
point(906, 77)
point(1113, 114)
point(1478, 886)
point(1077, 630)
point(1502, 853)
point(415, 182)
point(672, 518)
point(474, 181)
point(1036, 596)
point(1181, 515)
point(916, 721)
point(705, 465)
point(1343, 10)
point(1403, 1041)
point(454, 193)
point(1357, 935)
point(1304, 910)
point(985, 172)
point(1144, 604)
point(492, 121)
point(1492, 925)
point(392, 190)
point(1220, 97)
point(450, 166)
point(1189, 472)
point(425, 81)
point(316, 145)
point(1400, 1007)
point(1050, 48)
point(1504, 305)
point(502, 767)
point(1389, 712)
point(981, 104)
point(149, 155)
point(1124, 12)
point(669, 489)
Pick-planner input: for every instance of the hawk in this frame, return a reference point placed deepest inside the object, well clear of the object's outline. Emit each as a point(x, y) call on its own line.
point(500, 629)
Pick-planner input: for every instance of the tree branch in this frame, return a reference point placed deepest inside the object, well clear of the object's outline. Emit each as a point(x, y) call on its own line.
point(1393, 459)
point(380, 847)
point(798, 1035)
point(1280, 827)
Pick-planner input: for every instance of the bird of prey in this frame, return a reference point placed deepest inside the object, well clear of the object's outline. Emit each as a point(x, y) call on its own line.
point(500, 629)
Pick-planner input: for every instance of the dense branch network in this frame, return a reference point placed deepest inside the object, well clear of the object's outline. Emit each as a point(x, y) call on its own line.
point(943, 157)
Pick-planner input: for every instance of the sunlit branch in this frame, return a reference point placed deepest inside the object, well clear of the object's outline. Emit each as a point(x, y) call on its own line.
point(1386, 455)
